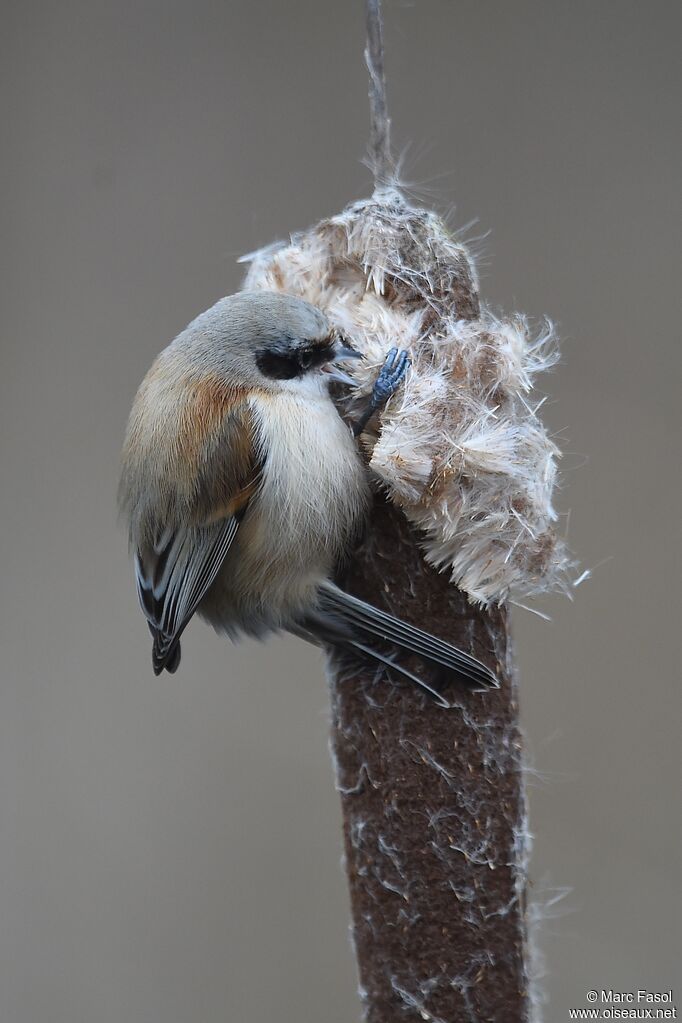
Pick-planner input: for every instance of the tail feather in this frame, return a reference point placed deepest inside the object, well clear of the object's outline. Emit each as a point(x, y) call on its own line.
point(364, 619)
point(390, 663)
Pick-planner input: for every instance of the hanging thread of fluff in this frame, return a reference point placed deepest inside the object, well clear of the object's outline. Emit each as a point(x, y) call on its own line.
point(460, 447)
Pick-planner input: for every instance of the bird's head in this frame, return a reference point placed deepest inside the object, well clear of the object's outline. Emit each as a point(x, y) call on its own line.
point(265, 337)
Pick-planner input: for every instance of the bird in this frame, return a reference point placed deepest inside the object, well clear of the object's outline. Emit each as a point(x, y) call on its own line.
point(244, 488)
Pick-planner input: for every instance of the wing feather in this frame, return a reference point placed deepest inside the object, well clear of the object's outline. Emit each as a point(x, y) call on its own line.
point(191, 464)
point(172, 577)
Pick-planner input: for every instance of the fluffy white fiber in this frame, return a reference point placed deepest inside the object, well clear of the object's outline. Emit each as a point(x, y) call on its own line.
point(460, 447)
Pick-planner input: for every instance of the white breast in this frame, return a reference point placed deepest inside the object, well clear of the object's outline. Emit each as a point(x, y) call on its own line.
point(312, 501)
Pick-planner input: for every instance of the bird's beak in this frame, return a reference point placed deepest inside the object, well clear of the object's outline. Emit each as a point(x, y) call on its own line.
point(339, 377)
point(343, 352)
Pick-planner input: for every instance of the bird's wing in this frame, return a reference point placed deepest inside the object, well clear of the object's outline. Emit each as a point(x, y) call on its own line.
point(361, 620)
point(177, 560)
point(173, 575)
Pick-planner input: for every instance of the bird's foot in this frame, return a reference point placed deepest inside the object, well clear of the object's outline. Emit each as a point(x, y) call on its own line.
point(392, 372)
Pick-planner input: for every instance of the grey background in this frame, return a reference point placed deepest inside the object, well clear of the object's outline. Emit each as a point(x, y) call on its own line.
point(169, 848)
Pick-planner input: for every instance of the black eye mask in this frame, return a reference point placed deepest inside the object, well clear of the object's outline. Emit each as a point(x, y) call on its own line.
point(284, 361)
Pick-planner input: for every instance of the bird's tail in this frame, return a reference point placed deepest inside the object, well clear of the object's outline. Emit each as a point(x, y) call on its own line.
point(345, 621)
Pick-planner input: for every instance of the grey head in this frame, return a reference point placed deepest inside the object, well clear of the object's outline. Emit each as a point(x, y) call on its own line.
point(264, 335)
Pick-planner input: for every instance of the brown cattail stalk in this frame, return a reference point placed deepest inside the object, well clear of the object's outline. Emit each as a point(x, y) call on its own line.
point(433, 808)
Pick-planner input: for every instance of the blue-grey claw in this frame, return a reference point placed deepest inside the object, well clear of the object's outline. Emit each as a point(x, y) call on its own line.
point(392, 372)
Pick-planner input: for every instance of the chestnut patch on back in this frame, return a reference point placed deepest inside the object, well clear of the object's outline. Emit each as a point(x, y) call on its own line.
point(208, 401)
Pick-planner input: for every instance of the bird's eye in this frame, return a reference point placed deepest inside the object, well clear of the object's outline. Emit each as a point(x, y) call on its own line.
point(305, 360)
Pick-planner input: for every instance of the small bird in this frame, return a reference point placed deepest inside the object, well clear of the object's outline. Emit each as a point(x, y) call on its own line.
point(243, 487)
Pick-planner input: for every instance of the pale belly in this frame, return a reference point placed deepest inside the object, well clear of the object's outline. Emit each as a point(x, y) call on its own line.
point(310, 506)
